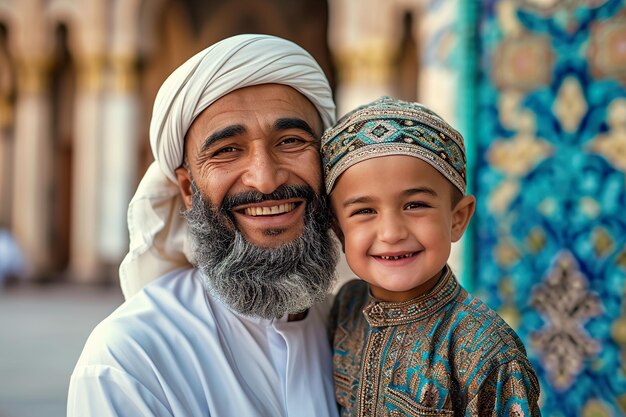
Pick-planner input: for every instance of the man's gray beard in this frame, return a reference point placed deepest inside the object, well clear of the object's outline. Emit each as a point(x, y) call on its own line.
point(257, 281)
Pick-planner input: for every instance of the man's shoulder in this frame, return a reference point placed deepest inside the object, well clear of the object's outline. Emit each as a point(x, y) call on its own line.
point(180, 291)
point(161, 312)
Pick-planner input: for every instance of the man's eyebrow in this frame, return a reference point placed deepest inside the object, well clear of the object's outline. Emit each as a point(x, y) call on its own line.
point(225, 133)
point(286, 123)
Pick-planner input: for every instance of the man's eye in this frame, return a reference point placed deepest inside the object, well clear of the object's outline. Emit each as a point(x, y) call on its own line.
point(291, 140)
point(224, 151)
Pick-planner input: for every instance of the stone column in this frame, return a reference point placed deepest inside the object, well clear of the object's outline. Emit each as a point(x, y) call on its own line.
point(6, 123)
point(86, 181)
point(119, 158)
point(364, 46)
point(32, 164)
point(364, 74)
point(6, 161)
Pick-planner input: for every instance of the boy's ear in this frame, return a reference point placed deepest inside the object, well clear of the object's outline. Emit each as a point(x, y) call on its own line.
point(334, 224)
point(461, 215)
point(184, 184)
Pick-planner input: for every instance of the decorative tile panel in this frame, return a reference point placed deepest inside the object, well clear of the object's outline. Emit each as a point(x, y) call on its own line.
point(550, 165)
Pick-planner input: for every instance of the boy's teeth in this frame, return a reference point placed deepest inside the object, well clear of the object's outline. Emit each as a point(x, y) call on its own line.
point(395, 258)
point(270, 211)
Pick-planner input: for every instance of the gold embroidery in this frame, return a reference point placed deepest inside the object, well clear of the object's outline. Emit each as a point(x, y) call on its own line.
point(446, 351)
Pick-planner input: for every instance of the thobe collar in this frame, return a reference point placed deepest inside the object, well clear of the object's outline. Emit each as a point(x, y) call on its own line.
point(385, 313)
point(287, 318)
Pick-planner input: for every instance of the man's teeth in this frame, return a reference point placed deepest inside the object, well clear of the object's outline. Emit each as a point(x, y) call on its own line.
point(395, 258)
point(270, 211)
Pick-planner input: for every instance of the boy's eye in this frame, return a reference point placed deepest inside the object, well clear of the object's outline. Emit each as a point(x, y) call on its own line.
point(414, 205)
point(362, 211)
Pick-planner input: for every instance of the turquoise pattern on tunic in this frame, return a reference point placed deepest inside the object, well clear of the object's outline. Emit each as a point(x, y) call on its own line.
point(444, 353)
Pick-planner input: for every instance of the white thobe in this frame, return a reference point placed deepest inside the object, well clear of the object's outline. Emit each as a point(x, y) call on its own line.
point(174, 350)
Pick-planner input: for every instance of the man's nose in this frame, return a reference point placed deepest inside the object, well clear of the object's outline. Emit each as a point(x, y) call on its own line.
point(392, 229)
point(265, 172)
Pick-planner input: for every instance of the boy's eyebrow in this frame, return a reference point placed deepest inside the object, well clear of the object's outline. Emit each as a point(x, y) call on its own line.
point(405, 193)
point(225, 133)
point(357, 200)
point(286, 123)
point(420, 190)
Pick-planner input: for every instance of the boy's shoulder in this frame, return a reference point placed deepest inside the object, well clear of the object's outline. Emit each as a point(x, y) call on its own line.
point(484, 341)
point(482, 327)
point(355, 291)
point(353, 287)
point(350, 299)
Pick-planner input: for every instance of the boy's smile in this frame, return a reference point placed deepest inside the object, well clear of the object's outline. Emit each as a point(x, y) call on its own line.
point(395, 259)
point(397, 222)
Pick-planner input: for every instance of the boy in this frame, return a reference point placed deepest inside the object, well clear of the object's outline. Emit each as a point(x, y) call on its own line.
point(413, 342)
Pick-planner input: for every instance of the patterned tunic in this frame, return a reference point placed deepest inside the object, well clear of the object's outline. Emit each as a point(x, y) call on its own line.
point(442, 354)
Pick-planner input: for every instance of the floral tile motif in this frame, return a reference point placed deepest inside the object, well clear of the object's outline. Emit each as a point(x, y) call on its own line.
point(523, 63)
point(566, 303)
point(607, 48)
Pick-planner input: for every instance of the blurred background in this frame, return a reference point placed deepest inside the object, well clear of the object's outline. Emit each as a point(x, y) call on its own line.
point(537, 87)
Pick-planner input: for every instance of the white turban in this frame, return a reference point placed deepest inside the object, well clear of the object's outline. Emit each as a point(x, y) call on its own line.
point(158, 233)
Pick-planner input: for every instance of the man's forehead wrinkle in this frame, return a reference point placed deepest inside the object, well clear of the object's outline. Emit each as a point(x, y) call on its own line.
point(225, 133)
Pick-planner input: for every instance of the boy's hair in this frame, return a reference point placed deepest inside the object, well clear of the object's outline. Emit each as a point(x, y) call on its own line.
point(393, 127)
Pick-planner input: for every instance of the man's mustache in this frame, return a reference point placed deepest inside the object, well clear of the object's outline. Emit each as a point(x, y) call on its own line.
point(284, 192)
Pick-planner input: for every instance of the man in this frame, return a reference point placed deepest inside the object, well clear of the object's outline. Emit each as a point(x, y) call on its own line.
point(235, 135)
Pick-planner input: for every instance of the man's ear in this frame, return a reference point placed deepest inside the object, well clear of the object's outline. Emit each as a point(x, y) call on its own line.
point(184, 184)
point(461, 215)
point(334, 224)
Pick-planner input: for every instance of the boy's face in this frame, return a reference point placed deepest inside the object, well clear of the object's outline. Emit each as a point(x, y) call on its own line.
point(398, 222)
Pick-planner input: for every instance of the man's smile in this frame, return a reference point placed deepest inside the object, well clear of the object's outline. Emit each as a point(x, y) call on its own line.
point(268, 208)
point(269, 211)
point(281, 215)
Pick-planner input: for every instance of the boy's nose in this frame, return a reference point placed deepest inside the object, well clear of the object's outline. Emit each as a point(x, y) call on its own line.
point(264, 173)
point(392, 229)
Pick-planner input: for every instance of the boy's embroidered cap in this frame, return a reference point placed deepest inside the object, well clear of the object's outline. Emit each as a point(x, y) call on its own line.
point(393, 127)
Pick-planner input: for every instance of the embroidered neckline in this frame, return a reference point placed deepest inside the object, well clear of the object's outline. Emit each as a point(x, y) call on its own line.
point(384, 313)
